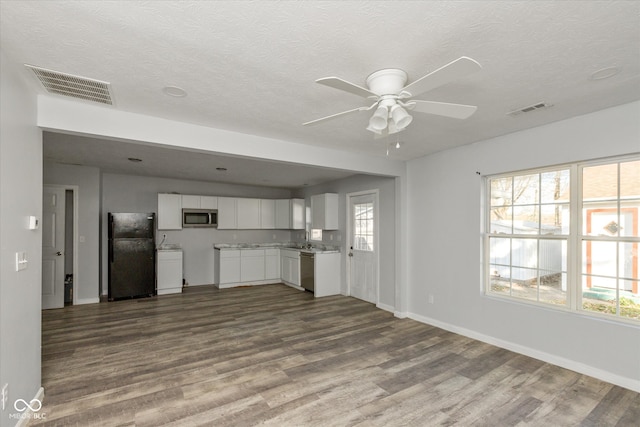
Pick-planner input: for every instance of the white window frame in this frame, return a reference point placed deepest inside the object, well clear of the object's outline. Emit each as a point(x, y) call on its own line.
point(574, 239)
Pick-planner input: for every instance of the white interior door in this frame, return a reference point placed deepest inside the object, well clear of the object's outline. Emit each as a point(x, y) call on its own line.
point(363, 244)
point(53, 247)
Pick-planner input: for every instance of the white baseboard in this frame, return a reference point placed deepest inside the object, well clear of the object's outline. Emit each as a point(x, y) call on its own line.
point(28, 415)
point(400, 314)
point(81, 301)
point(581, 368)
point(238, 284)
point(385, 307)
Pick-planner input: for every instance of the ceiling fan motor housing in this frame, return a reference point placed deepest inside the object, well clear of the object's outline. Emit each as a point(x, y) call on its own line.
point(389, 81)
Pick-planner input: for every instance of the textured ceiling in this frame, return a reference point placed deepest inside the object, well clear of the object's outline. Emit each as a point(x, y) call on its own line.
point(250, 66)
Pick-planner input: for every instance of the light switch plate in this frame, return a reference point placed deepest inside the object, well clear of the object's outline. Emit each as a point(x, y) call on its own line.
point(21, 261)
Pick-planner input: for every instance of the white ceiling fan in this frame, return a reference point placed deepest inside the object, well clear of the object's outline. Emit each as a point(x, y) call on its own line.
point(392, 98)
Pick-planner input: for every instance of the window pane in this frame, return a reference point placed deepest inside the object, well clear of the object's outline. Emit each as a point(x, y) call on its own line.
point(629, 264)
point(500, 251)
point(555, 219)
point(630, 180)
point(599, 258)
point(554, 186)
point(553, 287)
point(524, 253)
point(600, 182)
point(525, 219)
point(501, 220)
point(500, 191)
point(553, 255)
point(524, 283)
point(629, 300)
point(599, 294)
point(500, 279)
point(600, 219)
point(629, 218)
point(526, 189)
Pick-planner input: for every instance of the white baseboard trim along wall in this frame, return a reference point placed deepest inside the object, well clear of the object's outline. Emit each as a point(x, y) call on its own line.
point(86, 301)
point(545, 357)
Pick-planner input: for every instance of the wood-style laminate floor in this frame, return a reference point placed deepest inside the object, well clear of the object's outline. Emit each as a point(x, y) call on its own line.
point(276, 356)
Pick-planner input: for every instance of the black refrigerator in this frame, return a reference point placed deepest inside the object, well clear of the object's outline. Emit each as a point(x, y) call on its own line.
point(132, 255)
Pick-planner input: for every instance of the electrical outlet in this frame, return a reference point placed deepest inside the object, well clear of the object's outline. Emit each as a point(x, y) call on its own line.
point(430, 299)
point(5, 395)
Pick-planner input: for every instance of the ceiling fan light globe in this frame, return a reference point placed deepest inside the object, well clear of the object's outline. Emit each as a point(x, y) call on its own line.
point(379, 119)
point(400, 117)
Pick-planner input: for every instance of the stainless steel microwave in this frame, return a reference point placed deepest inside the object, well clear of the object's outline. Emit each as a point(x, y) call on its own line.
point(199, 218)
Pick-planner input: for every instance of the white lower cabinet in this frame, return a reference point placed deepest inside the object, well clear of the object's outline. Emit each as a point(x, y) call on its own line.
point(327, 274)
point(272, 264)
point(290, 266)
point(169, 272)
point(252, 265)
point(229, 267)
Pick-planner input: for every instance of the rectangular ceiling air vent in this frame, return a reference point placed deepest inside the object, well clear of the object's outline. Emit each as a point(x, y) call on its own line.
point(530, 108)
point(73, 86)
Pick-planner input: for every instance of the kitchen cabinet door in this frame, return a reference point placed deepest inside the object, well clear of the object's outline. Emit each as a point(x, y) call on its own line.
point(297, 214)
point(267, 214)
point(324, 211)
point(169, 274)
point(272, 264)
point(248, 214)
point(169, 211)
point(252, 265)
point(190, 202)
point(229, 267)
point(227, 213)
point(283, 214)
point(290, 266)
point(208, 202)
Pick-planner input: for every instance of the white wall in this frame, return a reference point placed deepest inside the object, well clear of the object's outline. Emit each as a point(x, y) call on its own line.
point(20, 197)
point(387, 213)
point(127, 193)
point(444, 247)
point(87, 179)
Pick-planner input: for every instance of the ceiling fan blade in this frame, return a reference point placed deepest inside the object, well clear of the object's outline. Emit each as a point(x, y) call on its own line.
point(456, 111)
point(455, 70)
point(333, 116)
point(338, 83)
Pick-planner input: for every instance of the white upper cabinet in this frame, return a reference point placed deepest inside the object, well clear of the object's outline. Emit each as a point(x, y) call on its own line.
point(267, 214)
point(248, 214)
point(208, 202)
point(199, 202)
point(297, 214)
point(290, 214)
point(283, 214)
point(227, 212)
point(324, 211)
point(190, 202)
point(169, 211)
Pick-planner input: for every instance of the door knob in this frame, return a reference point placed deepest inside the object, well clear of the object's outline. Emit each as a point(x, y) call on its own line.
point(59, 253)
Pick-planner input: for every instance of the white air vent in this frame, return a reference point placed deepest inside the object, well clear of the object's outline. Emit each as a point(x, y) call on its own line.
point(530, 108)
point(73, 86)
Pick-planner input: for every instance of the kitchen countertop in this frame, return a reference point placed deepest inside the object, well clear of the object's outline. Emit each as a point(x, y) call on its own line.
point(169, 247)
point(324, 249)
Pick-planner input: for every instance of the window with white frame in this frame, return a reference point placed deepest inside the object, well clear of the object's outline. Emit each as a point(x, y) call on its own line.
point(566, 237)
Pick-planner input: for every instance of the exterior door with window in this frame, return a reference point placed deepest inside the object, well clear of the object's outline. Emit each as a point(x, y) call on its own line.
point(363, 244)
point(53, 211)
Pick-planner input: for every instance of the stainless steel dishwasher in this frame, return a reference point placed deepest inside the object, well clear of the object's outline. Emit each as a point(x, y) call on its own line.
point(307, 273)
